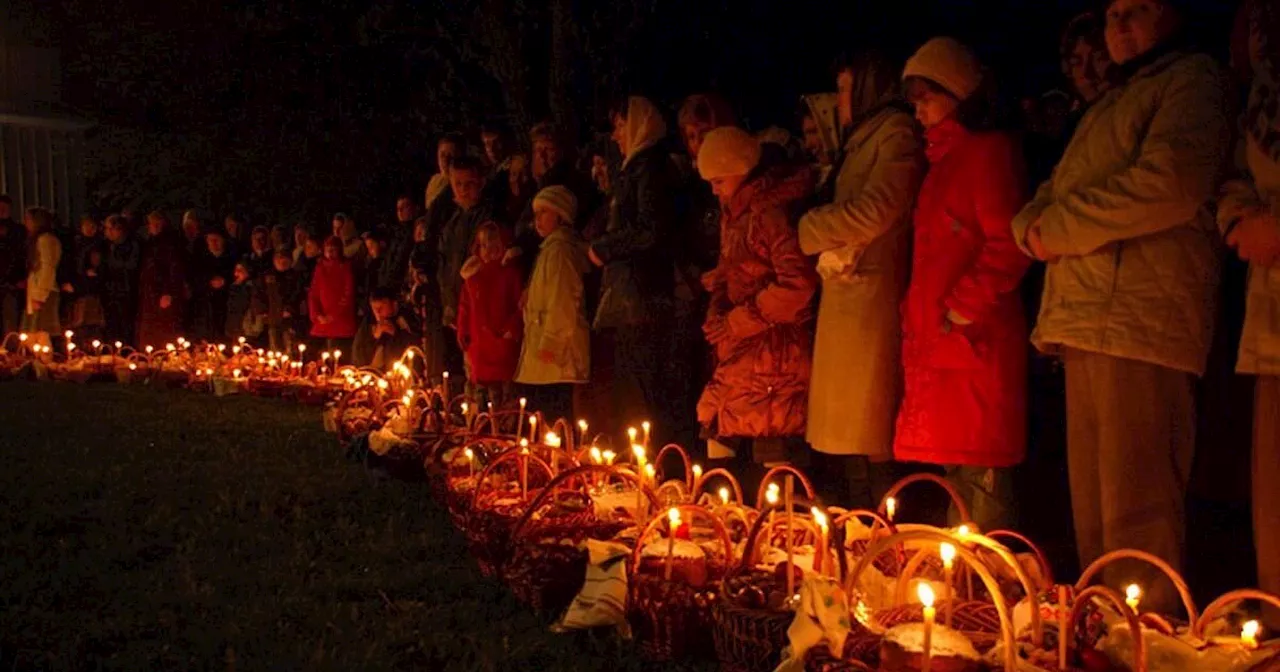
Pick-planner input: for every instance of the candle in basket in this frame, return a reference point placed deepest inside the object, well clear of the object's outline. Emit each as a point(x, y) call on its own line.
point(1249, 635)
point(646, 426)
point(471, 463)
point(519, 419)
point(631, 435)
point(724, 496)
point(551, 439)
point(1132, 595)
point(820, 563)
point(673, 517)
point(638, 451)
point(337, 355)
point(1063, 615)
point(533, 428)
point(582, 432)
point(302, 351)
point(524, 470)
point(791, 572)
point(948, 553)
point(925, 593)
point(890, 508)
point(609, 456)
point(771, 495)
point(445, 376)
point(697, 476)
point(324, 360)
point(466, 416)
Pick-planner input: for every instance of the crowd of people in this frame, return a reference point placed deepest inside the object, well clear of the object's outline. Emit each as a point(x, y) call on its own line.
point(848, 296)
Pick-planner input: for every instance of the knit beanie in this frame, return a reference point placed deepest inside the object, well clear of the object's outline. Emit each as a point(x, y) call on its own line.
point(558, 200)
point(948, 64)
point(728, 151)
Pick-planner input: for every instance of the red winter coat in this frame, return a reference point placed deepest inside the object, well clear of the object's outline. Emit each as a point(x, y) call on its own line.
point(161, 273)
point(761, 291)
point(333, 293)
point(965, 401)
point(488, 307)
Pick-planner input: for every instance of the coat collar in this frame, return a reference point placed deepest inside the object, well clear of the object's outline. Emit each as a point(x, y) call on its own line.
point(942, 138)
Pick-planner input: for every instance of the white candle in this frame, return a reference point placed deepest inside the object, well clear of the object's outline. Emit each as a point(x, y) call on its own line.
point(1132, 595)
point(445, 376)
point(821, 519)
point(524, 470)
point(1249, 635)
point(533, 428)
point(948, 553)
point(471, 463)
point(582, 433)
point(673, 517)
point(645, 426)
point(520, 420)
point(786, 503)
point(890, 508)
point(724, 496)
point(925, 593)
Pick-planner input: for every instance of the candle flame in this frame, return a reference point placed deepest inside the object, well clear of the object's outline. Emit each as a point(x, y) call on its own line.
point(408, 354)
point(68, 333)
point(595, 455)
point(119, 345)
point(241, 340)
point(819, 517)
point(631, 434)
point(890, 507)
point(1249, 632)
point(925, 592)
point(22, 338)
point(97, 343)
point(948, 553)
point(650, 471)
point(674, 516)
point(582, 424)
point(524, 443)
point(771, 496)
point(464, 408)
point(638, 451)
point(302, 347)
point(963, 531)
point(324, 356)
point(609, 456)
point(149, 349)
point(337, 354)
point(697, 471)
point(235, 373)
point(533, 421)
point(222, 347)
point(724, 495)
point(645, 426)
point(471, 454)
point(133, 367)
point(523, 401)
point(382, 384)
point(71, 346)
point(551, 439)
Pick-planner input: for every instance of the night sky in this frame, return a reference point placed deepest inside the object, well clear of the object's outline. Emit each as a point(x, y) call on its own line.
point(292, 109)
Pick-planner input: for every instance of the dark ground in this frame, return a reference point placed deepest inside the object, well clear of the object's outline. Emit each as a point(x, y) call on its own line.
point(145, 530)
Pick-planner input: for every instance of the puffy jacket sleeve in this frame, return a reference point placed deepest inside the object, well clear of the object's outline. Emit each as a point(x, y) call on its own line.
point(786, 299)
point(1239, 195)
point(884, 200)
point(45, 278)
point(560, 302)
point(1174, 174)
point(998, 192)
point(654, 212)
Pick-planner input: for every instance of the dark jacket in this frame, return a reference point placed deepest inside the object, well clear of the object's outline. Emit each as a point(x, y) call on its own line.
point(119, 270)
point(454, 248)
point(13, 253)
point(162, 273)
point(381, 352)
point(397, 250)
point(241, 302)
point(281, 292)
point(636, 247)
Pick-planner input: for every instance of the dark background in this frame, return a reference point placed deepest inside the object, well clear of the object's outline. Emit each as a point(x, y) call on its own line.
point(293, 109)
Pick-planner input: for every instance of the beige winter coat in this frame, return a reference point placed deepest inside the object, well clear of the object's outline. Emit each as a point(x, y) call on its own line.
point(864, 241)
point(1126, 211)
point(1259, 187)
point(554, 319)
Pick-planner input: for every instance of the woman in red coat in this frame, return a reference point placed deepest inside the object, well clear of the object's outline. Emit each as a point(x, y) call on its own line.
point(332, 298)
point(760, 320)
point(490, 321)
point(964, 350)
point(162, 288)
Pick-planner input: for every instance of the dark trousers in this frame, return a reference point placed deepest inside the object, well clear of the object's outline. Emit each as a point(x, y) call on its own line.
point(639, 380)
point(555, 401)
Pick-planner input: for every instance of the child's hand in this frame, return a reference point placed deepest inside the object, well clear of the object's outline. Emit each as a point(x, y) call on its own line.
point(66, 287)
point(165, 302)
point(511, 255)
point(546, 357)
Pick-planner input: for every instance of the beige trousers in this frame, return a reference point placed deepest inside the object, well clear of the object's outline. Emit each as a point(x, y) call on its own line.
point(1130, 442)
point(1266, 487)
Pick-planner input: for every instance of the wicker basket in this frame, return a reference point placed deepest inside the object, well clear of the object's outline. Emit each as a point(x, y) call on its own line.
point(495, 513)
point(671, 619)
point(548, 561)
point(750, 637)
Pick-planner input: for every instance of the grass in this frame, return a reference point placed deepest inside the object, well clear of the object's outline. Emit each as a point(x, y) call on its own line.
point(151, 530)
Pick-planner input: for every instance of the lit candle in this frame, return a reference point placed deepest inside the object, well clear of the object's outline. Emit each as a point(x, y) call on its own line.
point(471, 463)
point(890, 508)
point(1249, 635)
point(96, 345)
point(551, 439)
point(337, 355)
point(445, 376)
point(948, 553)
point(724, 496)
point(533, 428)
point(324, 361)
point(697, 475)
point(609, 457)
point(631, 435)
point(925, 593)
point(524, 470)
point(1132, 595)
point(68, 333)
point(596, 456)
point(241, 340)
point(235, 373)
point(638, 451)
point(673, 517)
point(582, 432)
point(22, 338)
point(520, 419)
point(149, 349)
point(771, 495)
point(302, 351)
point(466, 416)
point(645, 426)
point(1063, 615)
point(650, 473)
point(169, 347)
point(119, 345)
point(133, 367)
point(821, 519)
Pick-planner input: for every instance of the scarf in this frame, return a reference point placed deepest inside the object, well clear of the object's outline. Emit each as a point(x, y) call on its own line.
point(645, 126)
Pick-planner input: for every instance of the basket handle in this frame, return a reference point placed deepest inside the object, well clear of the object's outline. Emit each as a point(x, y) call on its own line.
point(956, 499)
point(1217, 606)
point(691, 509)
point(507, 456)
point(684, 456)
point(1135, 627)
point(576, 472)
point(1101, 563)
point(718, 471)
point(1046, 570)
point(784, 469)
point(749, 549)
point(568, 440)
point(962, 552)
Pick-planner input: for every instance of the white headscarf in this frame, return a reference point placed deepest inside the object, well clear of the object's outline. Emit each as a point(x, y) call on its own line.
point(645, 126)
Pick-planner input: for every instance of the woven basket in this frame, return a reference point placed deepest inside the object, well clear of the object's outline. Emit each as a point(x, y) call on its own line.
point(548, 561)
point(359, 411)
point(494, 513)
point(749, 638)
point(671, 619)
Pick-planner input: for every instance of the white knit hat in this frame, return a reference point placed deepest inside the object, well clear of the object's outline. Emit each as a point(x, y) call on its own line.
point(558, 200)
point(949, 64)
point(727, 151)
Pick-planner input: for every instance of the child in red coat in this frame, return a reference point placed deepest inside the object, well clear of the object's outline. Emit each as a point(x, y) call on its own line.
point(332, 298)
point(489, 316)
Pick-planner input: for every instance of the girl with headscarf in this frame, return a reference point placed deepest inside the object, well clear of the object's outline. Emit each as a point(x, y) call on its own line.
point(635, 253)
point(863, 245)
point(1249, 216)
point(964, 333)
